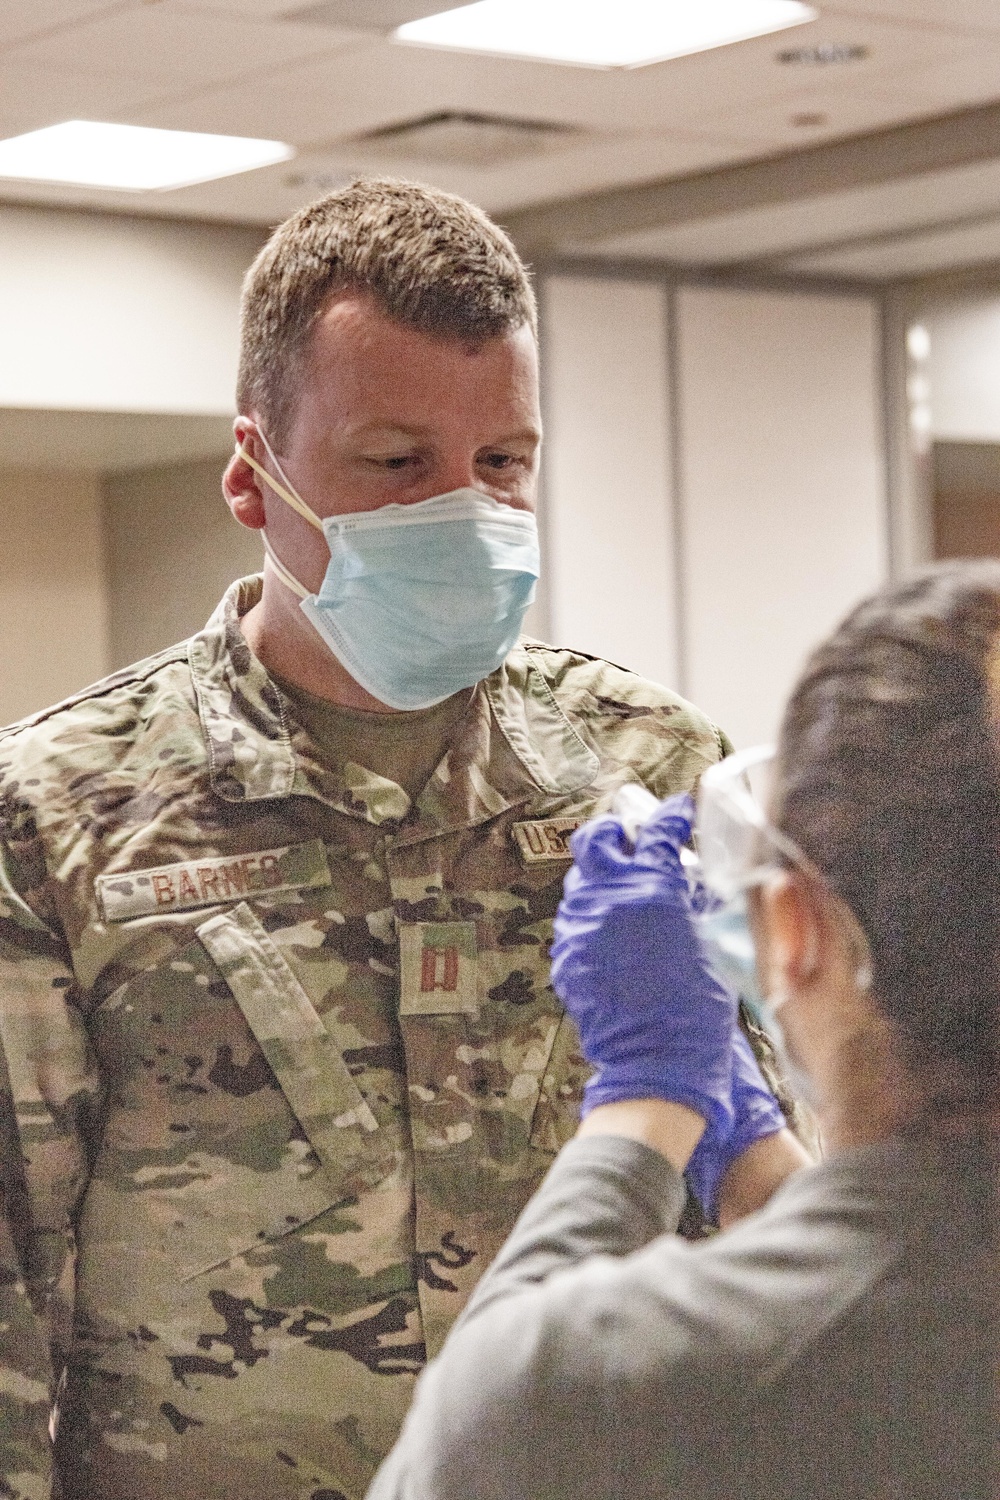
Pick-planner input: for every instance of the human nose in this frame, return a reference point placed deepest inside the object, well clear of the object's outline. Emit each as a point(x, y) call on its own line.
point(507, 483)
point(458, 471)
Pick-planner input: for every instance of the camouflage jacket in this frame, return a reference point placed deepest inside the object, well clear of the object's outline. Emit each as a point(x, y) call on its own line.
point(282, 1059)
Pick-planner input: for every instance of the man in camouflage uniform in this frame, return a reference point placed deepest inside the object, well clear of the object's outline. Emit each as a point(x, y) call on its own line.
point(282, 1059)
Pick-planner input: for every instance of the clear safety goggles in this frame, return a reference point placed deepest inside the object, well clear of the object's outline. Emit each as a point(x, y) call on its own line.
point(737, 844)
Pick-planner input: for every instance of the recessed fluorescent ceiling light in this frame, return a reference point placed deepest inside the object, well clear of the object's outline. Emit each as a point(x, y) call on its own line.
point(131, 157)
point(602, 33)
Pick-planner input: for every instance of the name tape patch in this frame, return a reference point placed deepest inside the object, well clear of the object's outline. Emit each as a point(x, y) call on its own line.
point(212, 882)
point(546, 839)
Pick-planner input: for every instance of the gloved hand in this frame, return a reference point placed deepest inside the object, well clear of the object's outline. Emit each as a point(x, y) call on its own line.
point(627, 964)
point(756, 1114)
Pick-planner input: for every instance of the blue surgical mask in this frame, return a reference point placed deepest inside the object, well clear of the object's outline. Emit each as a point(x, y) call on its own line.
point(419, 601)
point(724, 928)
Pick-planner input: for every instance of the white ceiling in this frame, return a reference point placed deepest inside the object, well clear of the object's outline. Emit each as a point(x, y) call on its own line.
point(250, 67)
point(892, 257)
point(827, 224)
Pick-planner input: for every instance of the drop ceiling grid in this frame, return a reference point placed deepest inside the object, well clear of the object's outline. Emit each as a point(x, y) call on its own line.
point(236, 66)
point(327, 97)
point(894, 51)
point(962, 78)
point(172, 48)
point(175, 49)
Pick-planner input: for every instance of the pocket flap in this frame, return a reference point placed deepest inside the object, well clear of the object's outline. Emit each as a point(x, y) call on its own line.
point(299, 1050)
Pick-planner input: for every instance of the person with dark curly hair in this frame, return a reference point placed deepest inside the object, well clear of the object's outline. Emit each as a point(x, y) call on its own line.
point(842, 1340)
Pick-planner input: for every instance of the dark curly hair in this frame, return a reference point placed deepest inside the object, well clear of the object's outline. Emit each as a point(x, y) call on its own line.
point(889, 779)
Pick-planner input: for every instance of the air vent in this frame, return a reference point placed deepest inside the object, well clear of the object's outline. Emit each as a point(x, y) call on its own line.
point(470, 140)
point(826, 55)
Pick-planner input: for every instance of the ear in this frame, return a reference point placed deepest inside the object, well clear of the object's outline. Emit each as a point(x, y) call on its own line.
point(792, 932)
point(241, 486)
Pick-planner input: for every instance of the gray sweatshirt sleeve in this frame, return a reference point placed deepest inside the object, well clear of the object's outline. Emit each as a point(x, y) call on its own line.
point(523, 1387)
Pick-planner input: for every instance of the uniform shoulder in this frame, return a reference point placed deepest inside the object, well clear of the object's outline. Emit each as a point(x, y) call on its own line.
point(618, 704)
point(102, 714)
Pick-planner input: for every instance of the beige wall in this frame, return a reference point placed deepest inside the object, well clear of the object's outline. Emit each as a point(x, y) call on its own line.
point(172, 549)
point(964, 369)
point(53, 618)
point(783, 505)
point(710, 516)
point(97, 573)
point(102, 312)
point(607, 506)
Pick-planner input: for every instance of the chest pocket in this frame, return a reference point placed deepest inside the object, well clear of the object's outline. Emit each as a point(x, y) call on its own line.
point(229, 1124)
point(300, 1051)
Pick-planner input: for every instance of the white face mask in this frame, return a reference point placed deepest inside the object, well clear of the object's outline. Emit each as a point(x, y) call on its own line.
point(740, 848)
point(727, 935)
point(418, 601)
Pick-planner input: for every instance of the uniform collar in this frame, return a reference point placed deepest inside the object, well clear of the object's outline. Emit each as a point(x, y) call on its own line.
point(514, 743)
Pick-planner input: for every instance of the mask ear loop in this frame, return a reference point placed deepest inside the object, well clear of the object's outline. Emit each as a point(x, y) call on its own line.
point(282, 572)
point(290, 497)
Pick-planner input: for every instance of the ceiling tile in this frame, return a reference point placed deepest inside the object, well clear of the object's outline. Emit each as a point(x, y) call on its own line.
point(316, 100)
point(706, 90)
point(967, 15)
point(377, 15)
point(33, 97)
point(830, 109)
point(895, 52)
point(363, 15)
point(318, 105)
point(252, 10)
point(20, 19)
point(270, 195)
point(243, 67)
point(267, 196)
point(173, 47)
point(606, 163)
point(961, 82)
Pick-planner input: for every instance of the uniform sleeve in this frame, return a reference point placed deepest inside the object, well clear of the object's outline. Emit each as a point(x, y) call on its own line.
point(49, 1102)
point(25, 1363)
point(524, 1386)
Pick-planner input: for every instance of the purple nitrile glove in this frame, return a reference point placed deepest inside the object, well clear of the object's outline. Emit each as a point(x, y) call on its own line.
point(756, 1114)
point(627, 963)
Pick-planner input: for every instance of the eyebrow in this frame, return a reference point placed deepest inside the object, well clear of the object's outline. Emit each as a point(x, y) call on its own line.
point(526, 434)
point(375, 431)
point(379, 430)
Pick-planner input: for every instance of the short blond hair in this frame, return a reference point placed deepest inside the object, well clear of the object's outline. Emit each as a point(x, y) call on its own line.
point(431, 260)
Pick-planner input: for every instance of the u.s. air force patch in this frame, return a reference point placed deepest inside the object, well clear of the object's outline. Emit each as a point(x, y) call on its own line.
point(548, 838)
point(211, 882)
